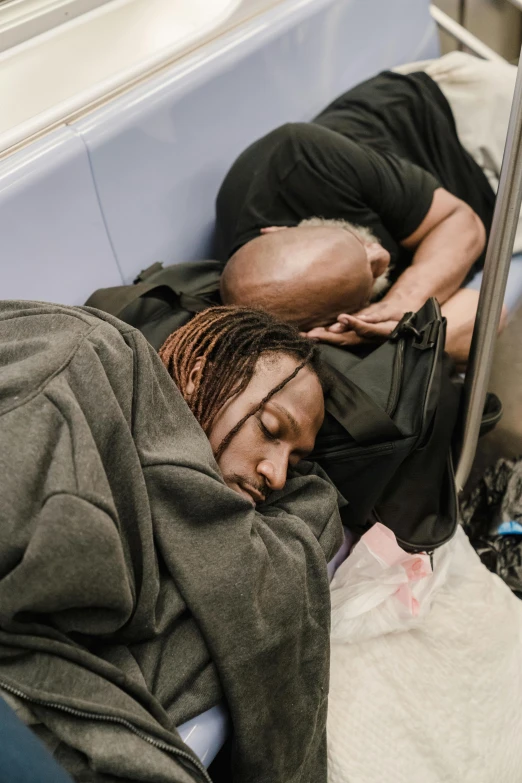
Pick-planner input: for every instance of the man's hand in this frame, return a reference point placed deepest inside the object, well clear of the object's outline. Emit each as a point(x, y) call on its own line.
point(373, 324)
point(378, 313)
point(336, 334)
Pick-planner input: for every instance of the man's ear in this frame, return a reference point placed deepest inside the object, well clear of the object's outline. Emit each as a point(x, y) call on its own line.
point(191, 383)
point(272, 229)
point(378, 257)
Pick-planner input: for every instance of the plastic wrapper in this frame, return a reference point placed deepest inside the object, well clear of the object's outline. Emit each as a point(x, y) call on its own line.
point(492, 519)
point(381, 589)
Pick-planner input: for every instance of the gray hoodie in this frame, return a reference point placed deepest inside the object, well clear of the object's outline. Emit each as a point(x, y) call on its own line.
point(136, 589)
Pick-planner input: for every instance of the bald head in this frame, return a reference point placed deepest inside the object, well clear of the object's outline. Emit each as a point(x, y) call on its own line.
point(306, 275)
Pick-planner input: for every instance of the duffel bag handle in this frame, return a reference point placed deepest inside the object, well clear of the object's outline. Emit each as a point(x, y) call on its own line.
point(115, 300)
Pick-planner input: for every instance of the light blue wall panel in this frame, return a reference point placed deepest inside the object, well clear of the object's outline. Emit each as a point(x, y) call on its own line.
point(53, 241)
point(159, 153)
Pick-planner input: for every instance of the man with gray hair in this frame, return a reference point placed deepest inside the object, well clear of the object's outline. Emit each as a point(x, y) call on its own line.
point(343, 224)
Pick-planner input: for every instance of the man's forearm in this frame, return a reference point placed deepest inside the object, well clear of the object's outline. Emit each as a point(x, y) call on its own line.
point(442, 260)
point(460, 311)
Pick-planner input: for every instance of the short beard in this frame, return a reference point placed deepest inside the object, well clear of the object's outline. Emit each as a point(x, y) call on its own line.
point(381, 283)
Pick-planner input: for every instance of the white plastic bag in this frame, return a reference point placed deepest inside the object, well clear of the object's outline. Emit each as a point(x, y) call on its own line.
point(381, 589)
point(439, 703)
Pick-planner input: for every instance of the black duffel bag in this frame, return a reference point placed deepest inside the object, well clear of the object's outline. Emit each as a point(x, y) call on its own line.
point(386, 441)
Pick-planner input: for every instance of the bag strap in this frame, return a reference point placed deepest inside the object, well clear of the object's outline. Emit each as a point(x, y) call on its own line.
point(115, 300)
point(360, 416)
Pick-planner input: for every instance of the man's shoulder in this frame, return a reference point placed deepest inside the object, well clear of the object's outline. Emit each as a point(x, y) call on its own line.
point(39, 340)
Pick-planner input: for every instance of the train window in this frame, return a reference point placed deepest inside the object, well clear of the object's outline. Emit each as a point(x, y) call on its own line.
point(63, 58)
point(23, 19)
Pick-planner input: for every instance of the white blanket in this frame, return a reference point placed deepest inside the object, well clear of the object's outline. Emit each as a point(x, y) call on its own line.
point(439, 703)
point(480, 93)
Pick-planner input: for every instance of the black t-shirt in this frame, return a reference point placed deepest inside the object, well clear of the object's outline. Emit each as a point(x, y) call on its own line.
point(373, 157)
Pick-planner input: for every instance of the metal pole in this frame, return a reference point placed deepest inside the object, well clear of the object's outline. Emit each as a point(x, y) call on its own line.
point(464, 36)
point(460, 18)
point(496, 269)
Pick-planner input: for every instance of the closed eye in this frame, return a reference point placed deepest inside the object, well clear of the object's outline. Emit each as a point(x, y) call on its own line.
point(266, 432)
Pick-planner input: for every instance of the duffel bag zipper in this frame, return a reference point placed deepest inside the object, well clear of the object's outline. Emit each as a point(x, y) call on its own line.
point(109, 719)
point(427, 338)
point(396, 380)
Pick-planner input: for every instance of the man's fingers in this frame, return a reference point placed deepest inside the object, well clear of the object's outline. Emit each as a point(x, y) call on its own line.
point(344, 318)
point(374, 318)
point(347, 322)
point(314, 333)
point(370, 311)
point(337, 328)
point(319, 331)
point(373, 311)
point(373, 331)
point(353, 331)
point(343, 340)
point(324, 335)
point(374, 314)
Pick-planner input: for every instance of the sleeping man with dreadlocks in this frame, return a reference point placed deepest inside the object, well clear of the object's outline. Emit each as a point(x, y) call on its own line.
point(255, 386)
point(164, 549)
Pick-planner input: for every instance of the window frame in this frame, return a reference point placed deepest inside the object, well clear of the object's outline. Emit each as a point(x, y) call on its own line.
point(21, 20)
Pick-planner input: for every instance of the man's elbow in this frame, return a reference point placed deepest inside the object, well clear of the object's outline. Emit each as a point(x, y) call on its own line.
point(460, 329)
point(475, 230)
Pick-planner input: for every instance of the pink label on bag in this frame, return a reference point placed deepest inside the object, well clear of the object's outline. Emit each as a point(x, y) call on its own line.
point(382, 543)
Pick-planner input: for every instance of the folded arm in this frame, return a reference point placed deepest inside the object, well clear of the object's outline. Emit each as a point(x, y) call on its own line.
point(446, 244)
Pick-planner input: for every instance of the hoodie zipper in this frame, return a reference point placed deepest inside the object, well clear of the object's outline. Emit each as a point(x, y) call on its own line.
point(109, 719)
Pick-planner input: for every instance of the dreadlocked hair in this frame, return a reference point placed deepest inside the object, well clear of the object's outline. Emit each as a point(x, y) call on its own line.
point(228, 341)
